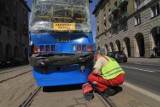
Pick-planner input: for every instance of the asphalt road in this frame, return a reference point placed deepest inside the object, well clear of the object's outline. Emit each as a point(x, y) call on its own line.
point(146, 76)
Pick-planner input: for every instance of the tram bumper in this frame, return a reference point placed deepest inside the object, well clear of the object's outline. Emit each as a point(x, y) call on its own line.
point(58, 60)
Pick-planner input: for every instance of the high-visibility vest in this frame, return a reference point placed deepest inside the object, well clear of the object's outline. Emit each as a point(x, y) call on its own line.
point(112, 69)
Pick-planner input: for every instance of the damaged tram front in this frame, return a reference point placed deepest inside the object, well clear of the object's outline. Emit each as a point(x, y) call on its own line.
point(61, 47)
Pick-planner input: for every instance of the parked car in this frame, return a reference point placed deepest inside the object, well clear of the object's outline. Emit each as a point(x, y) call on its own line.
point(119, 56)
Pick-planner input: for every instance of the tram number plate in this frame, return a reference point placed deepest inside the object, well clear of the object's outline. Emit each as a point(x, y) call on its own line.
point(63, 39)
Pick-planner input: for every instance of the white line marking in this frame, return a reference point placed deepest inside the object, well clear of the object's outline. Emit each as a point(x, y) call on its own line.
point(145, 92)
point(137, 63)
point(145, 64)
point(137, 68)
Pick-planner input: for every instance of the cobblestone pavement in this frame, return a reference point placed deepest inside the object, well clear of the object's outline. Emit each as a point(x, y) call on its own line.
point(66, 98)
point(130, 97)
point(15, 90)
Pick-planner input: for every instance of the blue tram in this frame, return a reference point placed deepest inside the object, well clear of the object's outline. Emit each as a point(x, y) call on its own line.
point(61, 47)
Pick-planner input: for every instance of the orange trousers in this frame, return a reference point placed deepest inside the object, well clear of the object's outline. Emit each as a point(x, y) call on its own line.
point(102, 84)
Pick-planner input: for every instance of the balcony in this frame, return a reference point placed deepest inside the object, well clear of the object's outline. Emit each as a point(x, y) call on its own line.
point(124, 16)
point(115, 22)
point(123, 3)
point(115, 10)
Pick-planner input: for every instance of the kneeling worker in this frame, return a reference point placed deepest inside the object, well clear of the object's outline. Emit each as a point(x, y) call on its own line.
point(107, 73)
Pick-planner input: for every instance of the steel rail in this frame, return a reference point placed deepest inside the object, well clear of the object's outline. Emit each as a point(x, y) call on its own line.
point(27, 102)
point(108, 100)
point(14, 76)
point(10, 69)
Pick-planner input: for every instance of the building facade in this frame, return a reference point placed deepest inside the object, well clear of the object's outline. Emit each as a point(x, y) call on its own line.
point(13, 29)
point(132, 26)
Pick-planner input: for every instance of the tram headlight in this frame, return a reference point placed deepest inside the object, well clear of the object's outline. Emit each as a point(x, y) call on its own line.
point(74, 47)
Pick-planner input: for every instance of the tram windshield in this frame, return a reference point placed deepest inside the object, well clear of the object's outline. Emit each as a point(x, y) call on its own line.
point(60, 15)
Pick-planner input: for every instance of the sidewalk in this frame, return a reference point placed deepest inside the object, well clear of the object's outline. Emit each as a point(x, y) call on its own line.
point(134, 96)
point(144, 60)
point(129, 97)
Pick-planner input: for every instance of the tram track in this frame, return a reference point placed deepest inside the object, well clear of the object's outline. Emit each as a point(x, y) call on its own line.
point(4, 71)
point(31, 98)
point(4, 80)
point(27, 102)
point(107, 100)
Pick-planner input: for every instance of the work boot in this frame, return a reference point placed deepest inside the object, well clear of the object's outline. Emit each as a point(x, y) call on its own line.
point(117, 89)
point(109, 92)
point(112, 91)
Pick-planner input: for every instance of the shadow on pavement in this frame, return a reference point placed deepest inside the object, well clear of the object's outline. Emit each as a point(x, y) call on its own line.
point(62, 88)
point(111, 91)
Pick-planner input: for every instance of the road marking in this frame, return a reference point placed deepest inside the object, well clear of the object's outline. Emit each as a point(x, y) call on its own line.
point(137, 63)
point(143, 64)
point(137, 68)
point(145, 92)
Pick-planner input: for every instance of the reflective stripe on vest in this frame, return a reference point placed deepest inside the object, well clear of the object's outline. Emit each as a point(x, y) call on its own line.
point(111, 70)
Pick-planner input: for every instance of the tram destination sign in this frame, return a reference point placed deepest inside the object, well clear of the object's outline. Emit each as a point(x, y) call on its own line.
point(64, 26)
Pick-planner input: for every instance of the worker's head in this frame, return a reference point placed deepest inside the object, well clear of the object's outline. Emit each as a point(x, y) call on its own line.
point(97, 55)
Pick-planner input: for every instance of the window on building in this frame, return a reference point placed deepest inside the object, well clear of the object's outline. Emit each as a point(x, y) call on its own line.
point(97, 26)
point(7, 20)
point(155, 10)
point(0, 30)
point(125, 26)
point(14, 3)
point(105, 36)
point(104, 16)
point(115, 3)
point(7, 8)
point(115, 20)
point(124, 11)
point(110, 33)
point(15, 23)
point(110, 24)
point(105, 22)
point(16, 39)
point(137, 4)
point(137, 19)
point(8, 33)
point(105, 25)
point(109, 11)
point(115, 30)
